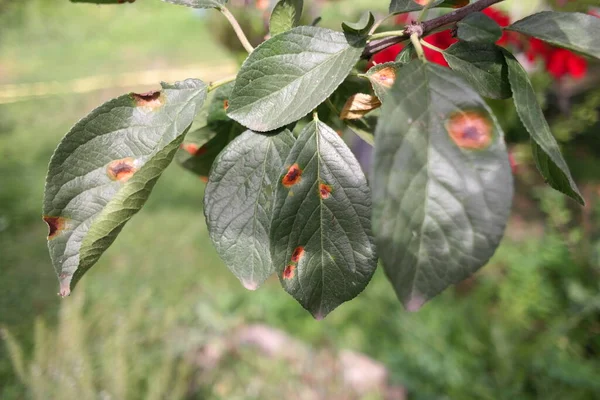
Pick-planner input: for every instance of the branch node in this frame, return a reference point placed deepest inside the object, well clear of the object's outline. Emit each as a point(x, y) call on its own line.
point(414, 28)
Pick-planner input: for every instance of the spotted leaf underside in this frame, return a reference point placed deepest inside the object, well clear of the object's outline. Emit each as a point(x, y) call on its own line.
point(105, 168)
point(442, 183)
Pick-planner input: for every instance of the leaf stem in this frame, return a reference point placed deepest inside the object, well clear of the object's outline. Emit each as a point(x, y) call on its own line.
point(414, 38)
point(220, 82)
point(237, 28)
point(387, 34)
point(375, 46)
point(430, 46)
point(379, 23)
point(423, 13)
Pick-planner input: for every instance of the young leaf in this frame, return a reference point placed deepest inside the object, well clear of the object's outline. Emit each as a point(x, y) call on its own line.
point(105, 168)
point(290, 74)
point(575, 31)
point(442, 183)
point(546, 152)
point(478, 28)
point(321, 240)
point(198, 3)
point(407, 54)
point(403, 6)
point(359, 105)
point(483, 66)
point(238, 202)
point(285, 16)
point(362, 27)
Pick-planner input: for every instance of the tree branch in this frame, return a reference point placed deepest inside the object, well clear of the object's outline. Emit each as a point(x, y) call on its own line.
point(428, 26)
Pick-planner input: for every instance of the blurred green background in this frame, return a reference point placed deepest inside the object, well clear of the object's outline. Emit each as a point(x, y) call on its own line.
point(160, 317)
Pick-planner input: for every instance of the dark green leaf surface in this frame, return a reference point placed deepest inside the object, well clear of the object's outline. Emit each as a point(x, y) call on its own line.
point(575, 31)
point(198, 3)
point(238, 202)
point(478, 28)
point(290, 74)
point(481, 65)
point(439, 210)
point(362, 27)
point(330, 223)
point(285, 16)
point(407, 54)
point(546, 152)
point(104, 169)
point(403, 6)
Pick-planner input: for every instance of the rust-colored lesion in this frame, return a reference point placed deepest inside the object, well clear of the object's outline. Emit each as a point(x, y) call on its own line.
point(149, 100)
point(292, 176)
point(289, 272)
point(470, 129)
point(297, 254)
point(385, 76)
point(204, 179)
point(121, 170)
point(225, 104)
point(324, 190)
point(55, 225)
point(193, 149)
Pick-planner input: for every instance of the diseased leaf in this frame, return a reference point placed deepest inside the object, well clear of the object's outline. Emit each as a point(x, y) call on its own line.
point(321, 240)
point(198, 3)
point(105, 168)
point(546, 152)
point(238, 202)
point(403, 6)
point(359, 105)
point(285, 16)
point(479, 28)
point(481, 65)
point(575, 31)
point(362, 27)
point(290, 74)
point(383, 76)
point(202, 146)
point(442, 183)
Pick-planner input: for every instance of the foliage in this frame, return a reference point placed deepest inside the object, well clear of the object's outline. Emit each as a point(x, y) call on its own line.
point(441, 183)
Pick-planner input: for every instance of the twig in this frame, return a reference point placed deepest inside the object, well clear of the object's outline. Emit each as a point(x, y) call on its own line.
point(220, 82)
point(428, 26)
point(237, 28)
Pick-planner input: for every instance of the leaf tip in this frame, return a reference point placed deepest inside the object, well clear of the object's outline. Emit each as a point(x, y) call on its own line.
point(415, 302)
point(65, 285)
point(250, 285)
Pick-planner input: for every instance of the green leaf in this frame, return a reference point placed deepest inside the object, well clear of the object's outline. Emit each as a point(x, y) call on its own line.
point(362, 27)
point(546, 152)
point(575, 31)
point(198, 3)
point(285, 16)
point(442, 183)
point(479, 28)
point(104, 1)
point(321, 240)
point(238, 202)
point(407, 54)
point(404, 6)
point(483, 66)
point(202, 146)
point(105, 168)
point(290, 74)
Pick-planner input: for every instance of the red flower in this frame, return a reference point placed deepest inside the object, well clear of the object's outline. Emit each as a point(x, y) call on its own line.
point(443, 40)
point(503, 20)
point(559, 62)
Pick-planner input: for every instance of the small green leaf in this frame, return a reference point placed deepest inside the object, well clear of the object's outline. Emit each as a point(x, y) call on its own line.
point(285, 16)
point(546, 152)
point(383, 76)
point(105, 168)
point(483, 66)
point(321, 240)
point(442, 183)
point(407, 54)
point(198, 3)
point(290, 74)
point(362, 27)
point(238, 202)
point(575, 31)
point(479, 28)
point(404, 6)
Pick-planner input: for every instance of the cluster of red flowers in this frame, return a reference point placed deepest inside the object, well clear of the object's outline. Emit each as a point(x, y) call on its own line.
point(558, 62)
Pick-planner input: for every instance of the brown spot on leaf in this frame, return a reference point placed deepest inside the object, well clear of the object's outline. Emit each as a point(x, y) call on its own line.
point(150, 100)
point(288, 272)
point(385, 77)
point(55, 226)
point(193, 149)
point(324, 191)
point(121, 170)
point(225, 104)
point(470, 129)
point(297, 254)
point(358, 105)
point(204, 179)
point(292, 176)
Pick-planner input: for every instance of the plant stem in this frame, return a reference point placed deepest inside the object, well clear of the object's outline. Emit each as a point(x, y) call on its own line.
point(237, 28)
point(414, 38)
point(430, 46)
point(423, 13)
point(387, 34)
point(378, 23)
point(220, 82)
point(430, 26)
